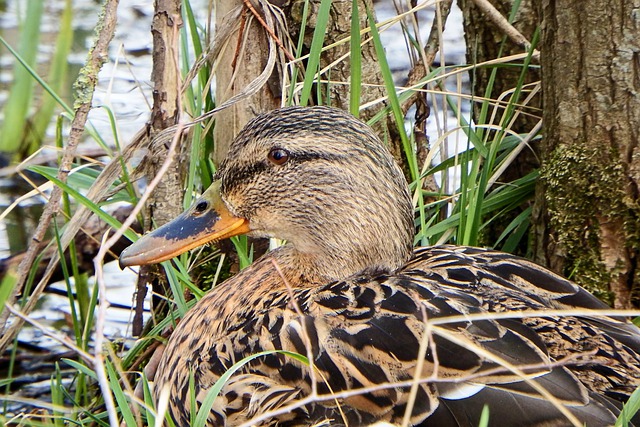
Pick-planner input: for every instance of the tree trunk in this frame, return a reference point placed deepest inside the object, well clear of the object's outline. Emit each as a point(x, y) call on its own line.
point(165, 202)
point(588, 211)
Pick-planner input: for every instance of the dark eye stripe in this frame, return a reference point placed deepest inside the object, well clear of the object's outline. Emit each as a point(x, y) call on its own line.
point(236, 175)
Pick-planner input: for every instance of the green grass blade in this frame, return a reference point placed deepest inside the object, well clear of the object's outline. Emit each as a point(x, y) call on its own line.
point(7, 284)
point(148, 400)
point(190, 38)
point(213, 392)
point(299, 49)
point(193, 404)
point(355, 61)
point(67, 281)
point(121, 397)
point(80, 368)
point(57, 396)
point(484, 417)
point(315, 51)
point(69, 112)
point(16, 109)
point(515, 231)
point(393, 97)
point(130, 234)
point(629, 409)
point(176, 288)
point(244, 251)
point(57, 78)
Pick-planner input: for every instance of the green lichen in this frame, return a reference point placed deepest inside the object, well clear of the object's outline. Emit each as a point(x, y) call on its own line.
point(87, 77)
point(84, 86)
point(584, 184)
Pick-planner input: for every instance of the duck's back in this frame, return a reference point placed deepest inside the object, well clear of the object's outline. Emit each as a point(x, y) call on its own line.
point(371, 330)
point(601, 352)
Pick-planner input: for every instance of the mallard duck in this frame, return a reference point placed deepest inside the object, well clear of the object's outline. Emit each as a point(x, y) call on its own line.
point(349, 292)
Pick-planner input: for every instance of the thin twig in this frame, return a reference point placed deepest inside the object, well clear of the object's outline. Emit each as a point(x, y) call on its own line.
point(46, 331)
point(87, 82)
point(561, 312)
point(243, 22)
point(420, 359)
point(432, 46)
point(501, 22)
point(268, 29)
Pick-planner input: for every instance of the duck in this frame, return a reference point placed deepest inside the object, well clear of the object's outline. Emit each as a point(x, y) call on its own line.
point(347, 324)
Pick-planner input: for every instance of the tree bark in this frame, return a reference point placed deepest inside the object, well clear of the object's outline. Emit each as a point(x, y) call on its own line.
point(165, 202)
point(588, 214)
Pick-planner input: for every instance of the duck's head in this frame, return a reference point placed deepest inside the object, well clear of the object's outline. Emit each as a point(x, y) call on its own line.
point(315, 177)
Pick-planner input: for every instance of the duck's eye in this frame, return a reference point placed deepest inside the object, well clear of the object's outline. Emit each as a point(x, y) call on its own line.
point(278, 156)
point(201, 206)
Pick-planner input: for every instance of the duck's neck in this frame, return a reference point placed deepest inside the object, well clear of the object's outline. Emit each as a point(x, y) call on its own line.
point(354, 235)
point(331, 260)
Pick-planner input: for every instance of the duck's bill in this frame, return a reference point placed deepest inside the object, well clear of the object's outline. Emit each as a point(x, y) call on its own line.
point(206, 221)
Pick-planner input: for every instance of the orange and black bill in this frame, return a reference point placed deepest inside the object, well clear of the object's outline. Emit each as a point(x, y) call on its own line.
point(207, 220)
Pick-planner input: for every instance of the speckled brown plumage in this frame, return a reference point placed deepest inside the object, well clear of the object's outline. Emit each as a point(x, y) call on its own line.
point(349, 292)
